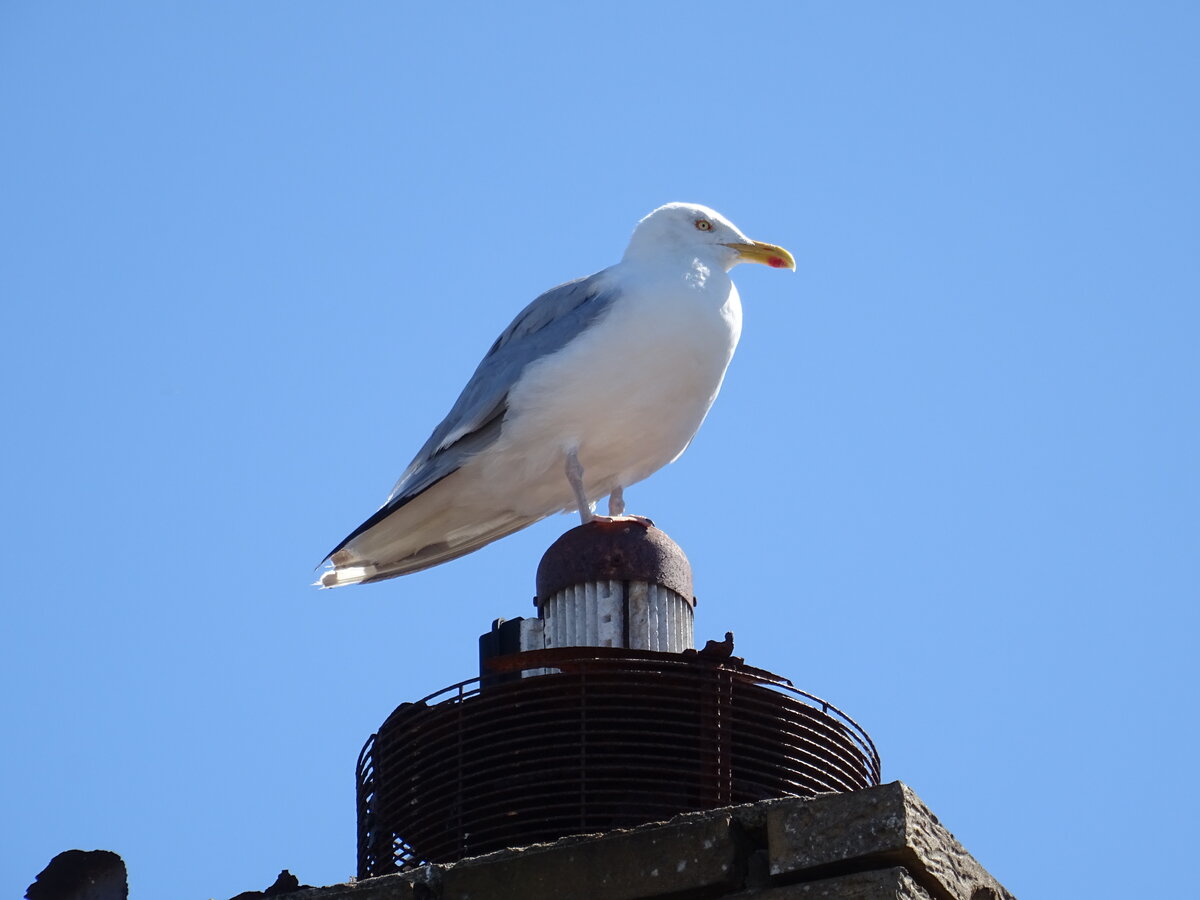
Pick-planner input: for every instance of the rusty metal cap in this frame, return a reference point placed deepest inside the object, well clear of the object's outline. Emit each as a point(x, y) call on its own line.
point(620, 550)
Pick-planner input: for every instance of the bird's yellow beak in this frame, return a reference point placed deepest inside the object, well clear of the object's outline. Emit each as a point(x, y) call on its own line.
point(767, 254)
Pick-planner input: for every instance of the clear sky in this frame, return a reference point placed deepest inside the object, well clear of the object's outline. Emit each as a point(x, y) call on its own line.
point(250, 252)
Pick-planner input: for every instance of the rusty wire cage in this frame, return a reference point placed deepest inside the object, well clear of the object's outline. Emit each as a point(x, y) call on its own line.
point(606, 739)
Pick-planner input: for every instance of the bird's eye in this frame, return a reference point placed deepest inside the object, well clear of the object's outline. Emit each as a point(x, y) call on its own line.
point(703, 225)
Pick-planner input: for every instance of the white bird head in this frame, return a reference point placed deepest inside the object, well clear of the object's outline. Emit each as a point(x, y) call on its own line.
point(692, 231)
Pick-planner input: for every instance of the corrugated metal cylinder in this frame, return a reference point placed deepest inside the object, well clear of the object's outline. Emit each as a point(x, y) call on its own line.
point(616, 584)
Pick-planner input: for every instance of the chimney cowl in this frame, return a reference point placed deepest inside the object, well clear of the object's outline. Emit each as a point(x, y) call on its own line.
point(624, 549)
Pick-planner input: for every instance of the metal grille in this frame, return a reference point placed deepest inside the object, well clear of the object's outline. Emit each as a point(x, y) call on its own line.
point(614, 738)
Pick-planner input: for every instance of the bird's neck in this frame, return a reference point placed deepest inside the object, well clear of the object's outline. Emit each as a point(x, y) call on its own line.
point(666, 267)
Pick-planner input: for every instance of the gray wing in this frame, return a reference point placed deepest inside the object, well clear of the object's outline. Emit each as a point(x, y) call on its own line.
point(543, 327)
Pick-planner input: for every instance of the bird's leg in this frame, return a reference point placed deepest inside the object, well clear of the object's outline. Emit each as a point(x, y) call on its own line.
point(616, 499)
point(575, 476)
point(616, 509)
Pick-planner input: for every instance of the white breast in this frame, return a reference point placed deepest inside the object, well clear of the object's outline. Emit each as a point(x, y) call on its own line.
point(628, 394)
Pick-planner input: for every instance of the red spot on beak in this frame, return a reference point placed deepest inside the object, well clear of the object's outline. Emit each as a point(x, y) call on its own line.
point(775, 262)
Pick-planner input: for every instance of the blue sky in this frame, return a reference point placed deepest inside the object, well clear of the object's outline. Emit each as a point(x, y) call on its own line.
point(249, 253)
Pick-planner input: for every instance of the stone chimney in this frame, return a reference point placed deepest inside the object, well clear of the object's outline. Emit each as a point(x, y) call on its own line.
point(880, 843)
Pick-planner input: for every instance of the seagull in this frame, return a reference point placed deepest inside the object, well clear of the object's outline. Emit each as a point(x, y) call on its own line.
point(596, 384)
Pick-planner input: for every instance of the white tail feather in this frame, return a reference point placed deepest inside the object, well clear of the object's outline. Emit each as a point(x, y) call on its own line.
point(340, 577)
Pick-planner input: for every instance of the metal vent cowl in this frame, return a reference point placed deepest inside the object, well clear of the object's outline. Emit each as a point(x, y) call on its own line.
point(598, 714)
point(615, 583)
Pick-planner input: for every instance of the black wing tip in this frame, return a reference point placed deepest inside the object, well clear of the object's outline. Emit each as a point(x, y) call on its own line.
point(382, 513)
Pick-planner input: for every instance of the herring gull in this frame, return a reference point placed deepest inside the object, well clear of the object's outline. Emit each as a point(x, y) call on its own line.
point(596, 384)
